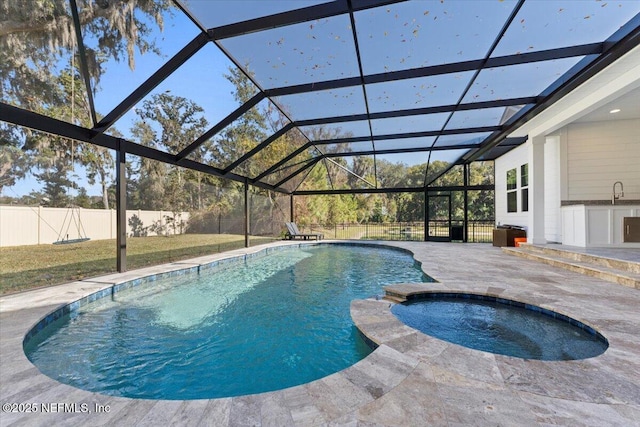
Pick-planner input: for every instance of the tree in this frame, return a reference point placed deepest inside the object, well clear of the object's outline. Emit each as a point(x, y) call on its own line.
point(14, 161)
point(56, 183)
point(82, 199)
point(99, 163)
point(481, 203)
point(97, 160)
point(40, 151)
point(363, 175)
point(247, 131)
point(36, 34)
point(39, 71)
point(145, 183)
point(342, 208)
point(168, 123)
point(409, 207)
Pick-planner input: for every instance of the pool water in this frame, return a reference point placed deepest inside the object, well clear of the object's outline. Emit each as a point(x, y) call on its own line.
point(501, 328)
point(264, 324)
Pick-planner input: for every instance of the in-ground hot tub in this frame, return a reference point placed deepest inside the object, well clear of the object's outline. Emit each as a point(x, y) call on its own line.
point(501, 326)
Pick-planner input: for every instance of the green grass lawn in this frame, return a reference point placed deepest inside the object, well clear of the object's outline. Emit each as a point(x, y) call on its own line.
point(34, 266)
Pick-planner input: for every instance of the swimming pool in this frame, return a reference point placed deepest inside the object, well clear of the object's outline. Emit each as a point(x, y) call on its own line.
point(501, 326)
point(243, 327)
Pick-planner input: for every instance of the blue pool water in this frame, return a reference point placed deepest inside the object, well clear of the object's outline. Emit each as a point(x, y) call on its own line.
point(264, 324)
point(510, 329)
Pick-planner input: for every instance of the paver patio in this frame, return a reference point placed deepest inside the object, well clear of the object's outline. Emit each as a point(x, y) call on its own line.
point(411, 379)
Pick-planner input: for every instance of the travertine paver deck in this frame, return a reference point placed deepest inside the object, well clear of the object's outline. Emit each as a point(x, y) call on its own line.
point(410, 380)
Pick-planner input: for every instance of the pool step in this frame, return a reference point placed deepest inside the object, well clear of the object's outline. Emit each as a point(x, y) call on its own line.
point(401, 292)
point(389, 296)
point(626, 273)
point(618, 264)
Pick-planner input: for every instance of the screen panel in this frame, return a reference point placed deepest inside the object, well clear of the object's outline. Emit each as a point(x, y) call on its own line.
point(403, 35)
point(296, 54)
point(444, 89)
point(542, 25)
point(223, 12)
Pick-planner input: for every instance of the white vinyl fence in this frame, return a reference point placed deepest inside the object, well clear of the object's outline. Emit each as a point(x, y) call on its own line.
point(33, 225)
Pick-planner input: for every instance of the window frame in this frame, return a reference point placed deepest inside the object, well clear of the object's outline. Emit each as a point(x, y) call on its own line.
point(512, 190)
point(524, 187)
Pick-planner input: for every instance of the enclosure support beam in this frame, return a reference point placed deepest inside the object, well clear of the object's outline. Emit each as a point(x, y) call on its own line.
point(450, 216)
point(426, 215)
point(291, 217)
point(454, 67)
point(31, 120)
point(291, 17)
point(84, 70)
point(246, 214)
point(393, 190)
point(465, 229)
point(121, 210)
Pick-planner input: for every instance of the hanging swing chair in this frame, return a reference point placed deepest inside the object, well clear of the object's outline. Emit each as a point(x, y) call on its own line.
point(71, 217)
point(73, 212)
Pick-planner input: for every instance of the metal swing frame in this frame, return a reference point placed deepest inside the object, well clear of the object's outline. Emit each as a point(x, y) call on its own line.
point(73, 215)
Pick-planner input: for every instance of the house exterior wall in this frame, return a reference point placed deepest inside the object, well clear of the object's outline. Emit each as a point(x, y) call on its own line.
point(513, 159)
point(599, 154)
point(581, 163)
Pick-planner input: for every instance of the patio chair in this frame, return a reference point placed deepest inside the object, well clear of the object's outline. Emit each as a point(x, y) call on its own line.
point(293, 233)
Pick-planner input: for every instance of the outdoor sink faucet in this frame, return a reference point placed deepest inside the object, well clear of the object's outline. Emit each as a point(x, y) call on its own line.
point(617, 195)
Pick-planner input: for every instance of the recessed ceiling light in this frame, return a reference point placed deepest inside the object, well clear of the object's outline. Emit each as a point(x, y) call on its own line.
point(615, 110)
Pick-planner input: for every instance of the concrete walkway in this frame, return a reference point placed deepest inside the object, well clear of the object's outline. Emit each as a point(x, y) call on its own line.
point(410, 380)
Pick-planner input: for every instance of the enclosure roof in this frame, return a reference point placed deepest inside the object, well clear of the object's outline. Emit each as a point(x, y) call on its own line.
point(350, 88)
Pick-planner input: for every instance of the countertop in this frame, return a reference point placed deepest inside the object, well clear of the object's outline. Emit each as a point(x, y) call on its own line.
point(619, 202)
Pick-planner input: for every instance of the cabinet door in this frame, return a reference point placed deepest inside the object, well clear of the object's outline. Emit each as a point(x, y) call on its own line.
point(631, 229)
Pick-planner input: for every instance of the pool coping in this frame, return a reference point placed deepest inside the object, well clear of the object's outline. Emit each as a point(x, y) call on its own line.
point(409, 377)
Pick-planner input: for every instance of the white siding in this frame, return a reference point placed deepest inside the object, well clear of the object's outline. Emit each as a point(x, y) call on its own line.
point(601, 153)
point(513, 159)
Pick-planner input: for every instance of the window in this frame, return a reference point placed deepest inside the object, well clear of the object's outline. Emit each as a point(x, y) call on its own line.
point(512, 192)
point(524, 175)
point(512, 201)
point(524, 184)
point(511, 179)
